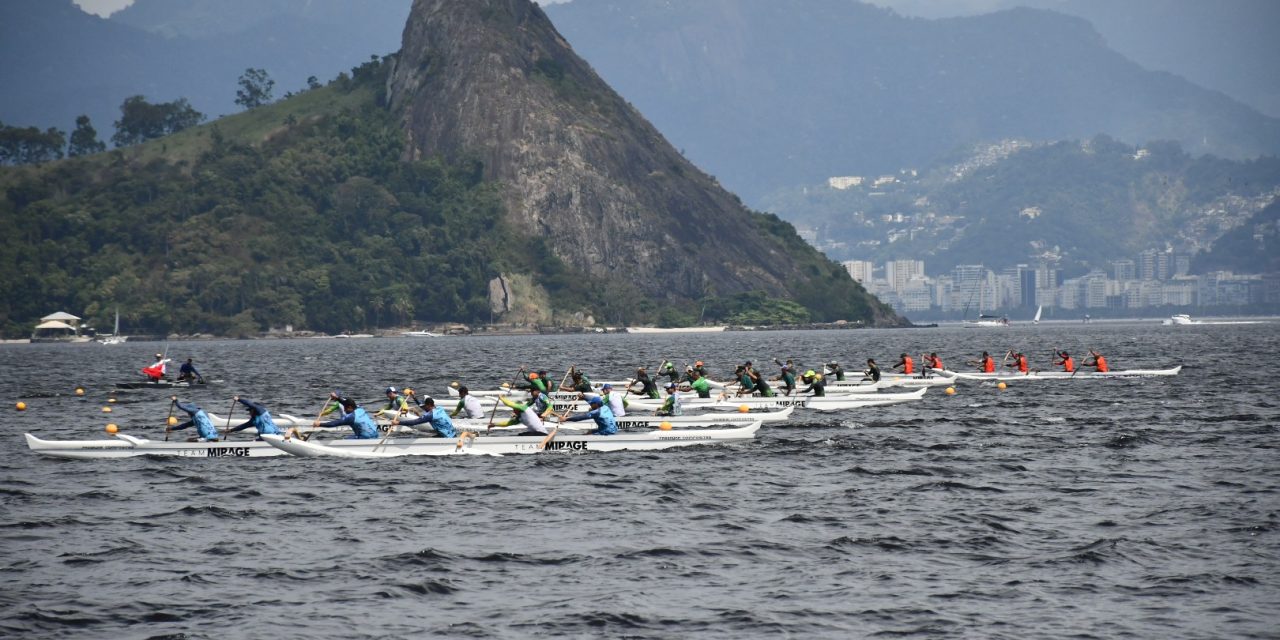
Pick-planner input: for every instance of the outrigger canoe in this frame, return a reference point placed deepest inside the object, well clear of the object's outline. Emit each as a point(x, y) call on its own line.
point(1063, 375)
point(820, 403)
point(165, 384)
point(471, 444)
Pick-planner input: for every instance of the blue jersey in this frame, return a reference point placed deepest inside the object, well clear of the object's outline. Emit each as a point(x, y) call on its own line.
point(605, 424)
point(200, 419)
point(438, 419)
point(261, 420)
point(360, 423)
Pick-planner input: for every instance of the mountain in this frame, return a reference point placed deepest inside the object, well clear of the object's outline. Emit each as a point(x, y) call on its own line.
point(482, 174)
point(768, 94)
point(61, 62)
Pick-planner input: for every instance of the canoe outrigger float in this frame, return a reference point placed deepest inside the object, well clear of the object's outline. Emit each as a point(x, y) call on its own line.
point(1063, 375)
point(125, 446)
point(820, 403)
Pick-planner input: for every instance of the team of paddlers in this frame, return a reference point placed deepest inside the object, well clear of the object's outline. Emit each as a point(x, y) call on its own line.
point(605, 404)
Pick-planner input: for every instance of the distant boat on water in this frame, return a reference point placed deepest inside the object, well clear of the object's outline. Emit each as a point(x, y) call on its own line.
point(419, 334)
point(712, 329)
point(984, 322)
point(1036, 320)
point(115, 337)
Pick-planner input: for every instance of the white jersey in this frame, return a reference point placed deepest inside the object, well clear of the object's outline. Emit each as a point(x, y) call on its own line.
point(471, 407)
point(616, 406)
point(531, 421)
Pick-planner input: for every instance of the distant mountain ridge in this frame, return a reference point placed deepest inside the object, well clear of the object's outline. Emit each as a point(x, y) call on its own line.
point(771, 93)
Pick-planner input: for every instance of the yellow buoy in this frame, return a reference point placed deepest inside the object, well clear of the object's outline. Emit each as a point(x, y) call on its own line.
point(21, 406)
point(454, 384)
point(408, 392)
point(79, 391)
point(106, 409)
point(112, 428)
point(951, 391)
point(173, 421)
point(1002, 386)
point(742, 408)
point(665, 426)
point(111, 400)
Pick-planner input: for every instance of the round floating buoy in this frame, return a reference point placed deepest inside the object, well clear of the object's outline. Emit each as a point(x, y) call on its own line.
point(742, 408)
point(111, 400)
point(112, 428)
point(173, 421)
point(665, 426)
point(951, 391)
point(408, 392)
point(106, 409)
point(79, 391)
point(1002, 386)
point(21, 406)
point(454, 384)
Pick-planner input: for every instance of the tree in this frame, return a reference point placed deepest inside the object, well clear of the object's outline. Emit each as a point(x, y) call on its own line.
point(255, 88)
point(29, 145)
point(313, 82)
point(141, 121)
point(84, 140)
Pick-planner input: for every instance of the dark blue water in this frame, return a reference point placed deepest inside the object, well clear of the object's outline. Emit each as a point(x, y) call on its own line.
point(1087, 509)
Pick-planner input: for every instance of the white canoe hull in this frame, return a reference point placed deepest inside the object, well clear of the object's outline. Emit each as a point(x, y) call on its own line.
point(509, 445)
point(1063, 375)
point(825, 403)
point(124, 446)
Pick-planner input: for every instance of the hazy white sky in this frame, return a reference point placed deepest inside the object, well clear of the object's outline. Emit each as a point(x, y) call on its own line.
point(930, 8)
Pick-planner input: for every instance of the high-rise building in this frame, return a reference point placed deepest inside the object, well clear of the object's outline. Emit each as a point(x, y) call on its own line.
point(1026, 287)
point(860, 270)
point(899, 272)
point(1124, 270)
point(1147, 265)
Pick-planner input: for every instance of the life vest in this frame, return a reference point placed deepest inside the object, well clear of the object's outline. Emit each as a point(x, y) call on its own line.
point(1022, 364)
point(1068, 365)
point(1101, 364)
point(988, 365)
point(907, 365)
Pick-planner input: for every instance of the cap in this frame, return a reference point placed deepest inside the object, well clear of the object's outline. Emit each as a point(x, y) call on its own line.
point(809, 373)
point(390, 390)
point(595, 400)
point(606, 386)
point(533, 376)
point(671, 385)
point(159, 355)
point(833, 363)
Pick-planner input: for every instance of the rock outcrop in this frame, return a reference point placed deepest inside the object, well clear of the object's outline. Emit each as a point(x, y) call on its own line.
point(493, 81)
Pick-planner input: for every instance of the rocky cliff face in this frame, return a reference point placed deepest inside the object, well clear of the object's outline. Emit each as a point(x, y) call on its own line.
point(493, 80)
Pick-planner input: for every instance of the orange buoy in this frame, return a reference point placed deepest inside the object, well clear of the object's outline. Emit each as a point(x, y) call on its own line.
point(951, 391)
point(112, 428)
point(742, 408)
point(21, 406)
point(665, 426)
point(106, 409)
point(79, 391)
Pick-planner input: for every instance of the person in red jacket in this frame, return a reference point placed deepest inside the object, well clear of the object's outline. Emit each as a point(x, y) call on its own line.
point(1065, 361)
point(1020, 362)
point(907, 365)
point(985, 364)
point(1098, 362)
point(932, 361)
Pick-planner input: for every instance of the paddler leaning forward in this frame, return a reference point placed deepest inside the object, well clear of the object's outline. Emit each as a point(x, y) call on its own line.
point(355, 417)
point(434, 416)
point(605, 423)
point(523, 414)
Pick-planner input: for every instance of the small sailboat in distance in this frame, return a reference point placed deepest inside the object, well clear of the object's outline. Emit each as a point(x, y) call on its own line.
point(1036, 320)
point(115, 337)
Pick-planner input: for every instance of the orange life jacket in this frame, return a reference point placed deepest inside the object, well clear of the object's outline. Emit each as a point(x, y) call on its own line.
point(1022, 364)
point(936, 363)
point(1068, 365)
point(1101, 364)
point(907, 365)
point(988, 365)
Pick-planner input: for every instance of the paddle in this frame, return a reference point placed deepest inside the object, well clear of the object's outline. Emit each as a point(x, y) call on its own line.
point(173, 400)
point(305, 438)
point(497, 404)
point(542, 446)
point(404, 406)
point(227, 431)
point(572, 368)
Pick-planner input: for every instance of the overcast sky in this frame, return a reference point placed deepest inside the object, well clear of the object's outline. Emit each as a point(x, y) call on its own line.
point(928, 8)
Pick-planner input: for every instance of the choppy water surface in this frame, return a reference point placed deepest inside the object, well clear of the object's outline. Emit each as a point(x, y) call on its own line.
point(1118, 508)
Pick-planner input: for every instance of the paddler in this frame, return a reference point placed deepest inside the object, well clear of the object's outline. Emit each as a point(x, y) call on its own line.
point(761, 384)
point(647, 387)
point(668, 369)
point(1096, 361)
point(355, 417)
point(396, 403)
point(605, 424)
point(1064, 360)
point(873, 370)
point(986, 364)
point(700, 385)
point(467, 403)
point(578, 381)
point(907, 365)
point(435, 416)
point(540, 402)
point(817, 386)
point(834, 369)
point(617, 404)
point(672, 406)
point(700, 369)
point(187, 373)
point(746, 384)
point(523, 414)
point(933, 362)
point(787, 376)
point(1019, 362)
point(535, 380)
point(259, 418)
point(205, 431)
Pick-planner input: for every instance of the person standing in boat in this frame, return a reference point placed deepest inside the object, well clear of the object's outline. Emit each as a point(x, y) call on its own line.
point(817, 386)
point(605, 423)
point(155, 372)
point(1096, 361)
point(259, 418)
point(1064, 360)
point(205, 431)
point(435, 416)
point(873, 370)
point(354, 416)
point(187, 373)
point(467, 403)
point(834, 369)
point(907, 365)
point(617, 404)
point(522, 414)
point(648, 388)
point(700, 385)
point(671, 406)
